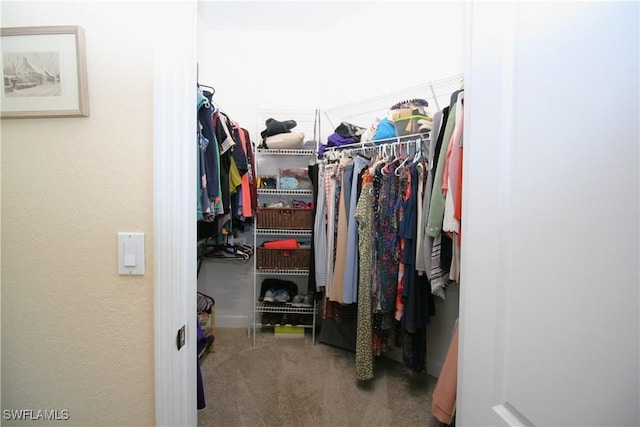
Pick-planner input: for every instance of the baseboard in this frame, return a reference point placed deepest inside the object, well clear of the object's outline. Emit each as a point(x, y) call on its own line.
point(223, 321)
point(434, 368)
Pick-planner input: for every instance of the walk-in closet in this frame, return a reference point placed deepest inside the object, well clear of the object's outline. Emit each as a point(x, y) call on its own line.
point(233, 306)
point(277, 264)
point(238, 142)
point(337, 273)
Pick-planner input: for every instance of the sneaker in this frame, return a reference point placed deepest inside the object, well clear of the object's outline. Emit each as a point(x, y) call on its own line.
point(269, 296)
point(281, 295)
point(297, 300)
point(307, 301)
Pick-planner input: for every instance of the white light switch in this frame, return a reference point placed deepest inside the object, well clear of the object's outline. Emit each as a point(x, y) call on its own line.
point(131, 253)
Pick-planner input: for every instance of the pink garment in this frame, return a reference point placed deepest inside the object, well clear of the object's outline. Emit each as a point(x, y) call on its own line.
point(452, 176)
point(444, 395)
point(455, 165)
point(454, 144)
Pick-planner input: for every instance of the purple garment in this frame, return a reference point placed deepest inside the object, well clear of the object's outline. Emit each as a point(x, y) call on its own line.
point(335, 140)
point(202, 343)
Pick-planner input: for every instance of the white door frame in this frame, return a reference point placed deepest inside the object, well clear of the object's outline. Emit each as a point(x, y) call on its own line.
point(174, 192)
point(496, 89)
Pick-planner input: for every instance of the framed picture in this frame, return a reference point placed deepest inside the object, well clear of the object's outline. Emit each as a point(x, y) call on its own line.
point(44, 71)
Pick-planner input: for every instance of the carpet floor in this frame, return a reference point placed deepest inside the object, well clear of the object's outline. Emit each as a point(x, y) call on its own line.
point(291, 382)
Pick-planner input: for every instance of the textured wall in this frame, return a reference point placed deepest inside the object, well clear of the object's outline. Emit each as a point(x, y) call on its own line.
point(75, 334)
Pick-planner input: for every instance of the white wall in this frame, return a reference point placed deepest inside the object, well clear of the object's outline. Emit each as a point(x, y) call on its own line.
point(307, 55)
point(75, 334)
point(232, 290)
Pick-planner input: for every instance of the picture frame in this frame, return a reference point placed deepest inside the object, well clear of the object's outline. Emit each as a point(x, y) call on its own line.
point(44, 70)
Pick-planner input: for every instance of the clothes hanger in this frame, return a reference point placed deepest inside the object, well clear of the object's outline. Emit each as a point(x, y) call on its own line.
point(418, 157)
point(211, 88)
point(403, 163)
point(386, 170)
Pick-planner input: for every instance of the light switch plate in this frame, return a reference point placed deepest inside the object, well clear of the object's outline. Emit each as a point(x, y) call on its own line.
point(131, 253)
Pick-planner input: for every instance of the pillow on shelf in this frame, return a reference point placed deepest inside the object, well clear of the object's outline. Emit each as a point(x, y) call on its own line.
point(291, 140)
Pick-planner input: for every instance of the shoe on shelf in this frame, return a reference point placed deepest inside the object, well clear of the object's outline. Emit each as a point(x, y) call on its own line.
point(266, 318)
point(281, 295)
point(297, 300)
point(269, 296)
point(307, 301)
point(294, 319)
point(276, 319)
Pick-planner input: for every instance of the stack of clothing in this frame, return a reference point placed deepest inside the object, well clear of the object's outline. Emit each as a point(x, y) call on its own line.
point(278, 135)
point(404, 118)
point(411, 117)
point(345, 134)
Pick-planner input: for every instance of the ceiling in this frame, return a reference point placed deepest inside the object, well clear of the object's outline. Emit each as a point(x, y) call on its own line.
point(275, 15)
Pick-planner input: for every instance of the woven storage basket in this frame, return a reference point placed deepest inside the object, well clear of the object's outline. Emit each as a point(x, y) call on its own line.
point(290, 259)
point(285, 219)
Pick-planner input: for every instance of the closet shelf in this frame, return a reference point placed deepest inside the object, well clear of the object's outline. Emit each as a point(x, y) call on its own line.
point(282, 272)
point(238, 260)
point(286, 309)
point(275, 192)
point(274, 221)
point(265, 307)
point(286, 152)
point(274, 232)
point(300, 325)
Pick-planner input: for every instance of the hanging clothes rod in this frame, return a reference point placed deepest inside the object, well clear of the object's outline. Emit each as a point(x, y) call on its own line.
point(368, 145)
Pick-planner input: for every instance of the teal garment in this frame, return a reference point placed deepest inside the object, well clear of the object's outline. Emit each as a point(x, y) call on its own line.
point(201, 100)
point(436, 208)
point(385, 130)
point(199, 214)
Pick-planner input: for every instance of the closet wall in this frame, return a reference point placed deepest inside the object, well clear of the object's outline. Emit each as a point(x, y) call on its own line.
point(324, 54)
point(286, 55)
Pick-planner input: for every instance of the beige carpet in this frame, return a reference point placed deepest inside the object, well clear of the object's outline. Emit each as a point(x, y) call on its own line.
point(291, 382)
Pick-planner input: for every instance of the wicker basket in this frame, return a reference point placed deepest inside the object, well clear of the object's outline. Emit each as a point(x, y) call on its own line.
point(285, 219)
point(288, 259)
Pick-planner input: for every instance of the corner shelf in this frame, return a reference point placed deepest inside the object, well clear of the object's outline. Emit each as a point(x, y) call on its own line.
point(282, 192)
point(285, 152)
point(287, 308)
point(274, 232)
point(268, 163)
point(281, 272)
point(282, 307)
